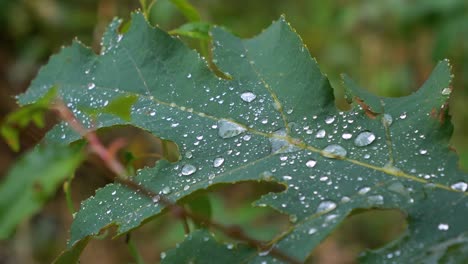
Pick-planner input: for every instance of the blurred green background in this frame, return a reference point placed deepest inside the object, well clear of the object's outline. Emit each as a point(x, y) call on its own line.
point(388, 46)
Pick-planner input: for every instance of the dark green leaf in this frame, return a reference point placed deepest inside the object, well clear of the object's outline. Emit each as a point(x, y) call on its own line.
point(273, 120)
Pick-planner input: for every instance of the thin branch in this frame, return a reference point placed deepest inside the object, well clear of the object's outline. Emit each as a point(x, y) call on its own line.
point(108, 156)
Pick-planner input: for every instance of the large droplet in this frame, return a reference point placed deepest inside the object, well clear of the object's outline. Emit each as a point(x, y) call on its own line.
point(311, 163)
point(375, 199)
point(329, 119)
point(459, 186)
point(166, 190)
point(279, 145)
point(387, 120)
point(443, 227)
point(364, 138)
point(326, 206)
point(364, 190)
point(218, 162)
point(334, 151)
point(248, 97)
point(321, 133)
point(188, 169)
point(228, 129)
point(446, 91)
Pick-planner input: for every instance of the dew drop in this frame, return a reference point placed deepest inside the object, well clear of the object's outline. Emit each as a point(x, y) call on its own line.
point(334, 151)
point(364, 138)
point(326, 206)
point(311, 163)
point(279, 145)
point(188, 169)
point(321, 133)
point(156, 198)
point(443, 227)
point(91, 86)
point(312, 231)
point(287, 178)
point(347, 135)
point(423, 151)
point(329, 119)
point(228, 129)
point(375, 199)
point(218, 162)
point(459, 186)
point(189, 76)
point(166, 190)
point(403, 115)
point(153, 113)
point(248, 97)
point(446, 91)
point(387, 120)
point(364, 190)
point(345, 199)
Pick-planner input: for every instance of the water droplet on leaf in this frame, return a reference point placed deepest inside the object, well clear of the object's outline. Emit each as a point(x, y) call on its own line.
point(166, 190)
point(446, 91)
point(459, 186)
point(321, 133)
point(443, 227)
point(364, 139)
point(329, 119)
point(375, 199)
point(312, 231)
point(188, 169)
point(364, 190)
point(311, 163)
point(248, 97)
point(218, 162)
point(387, 120)
point(326, 206)
point(347, 135)
point(279, 145)
point(228, 129)
point(334, 151)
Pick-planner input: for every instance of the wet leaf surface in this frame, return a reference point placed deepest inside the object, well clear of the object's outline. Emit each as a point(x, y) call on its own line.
point(273, 120)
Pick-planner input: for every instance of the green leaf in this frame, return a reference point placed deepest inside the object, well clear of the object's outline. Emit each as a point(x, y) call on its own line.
point(187, 10)
point(201, 247)
point(198, 30)
point(273, 120)
point(21, 117)
point(32, 180)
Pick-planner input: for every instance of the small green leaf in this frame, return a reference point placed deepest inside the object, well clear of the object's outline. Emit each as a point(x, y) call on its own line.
point(32, 180)
point(199, 30)
point(21, 117)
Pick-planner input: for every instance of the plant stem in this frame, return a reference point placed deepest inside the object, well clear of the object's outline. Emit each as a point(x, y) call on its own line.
point(134, 250)
point(68, 197)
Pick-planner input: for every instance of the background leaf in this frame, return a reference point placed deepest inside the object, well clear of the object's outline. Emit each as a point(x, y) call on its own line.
point(32, 181)
point(274, 120)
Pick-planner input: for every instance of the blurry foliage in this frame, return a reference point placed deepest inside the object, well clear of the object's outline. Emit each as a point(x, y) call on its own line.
point(388, 46)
